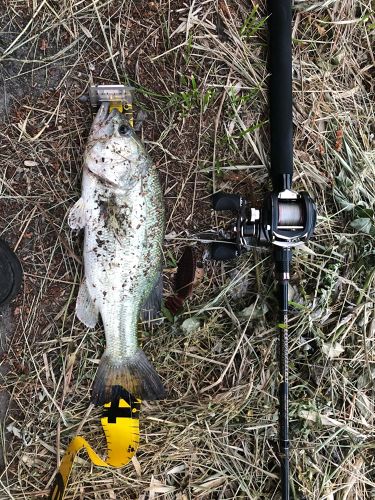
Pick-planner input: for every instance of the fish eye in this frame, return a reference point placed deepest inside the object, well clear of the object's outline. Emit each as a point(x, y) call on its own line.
point(124, 130)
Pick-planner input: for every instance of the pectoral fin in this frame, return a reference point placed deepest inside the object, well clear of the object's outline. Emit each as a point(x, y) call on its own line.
point(77, 215)
point(86, 310)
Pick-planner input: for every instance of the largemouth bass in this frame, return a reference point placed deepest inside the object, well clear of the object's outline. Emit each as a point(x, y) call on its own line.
point(122, 212)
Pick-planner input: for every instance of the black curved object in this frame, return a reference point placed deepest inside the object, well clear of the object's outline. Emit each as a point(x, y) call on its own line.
point(226, 201)
point(280, 93)
point(224, 251)
point(11, 274)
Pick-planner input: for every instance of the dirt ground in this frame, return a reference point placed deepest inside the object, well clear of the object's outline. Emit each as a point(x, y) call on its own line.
point(200, 74)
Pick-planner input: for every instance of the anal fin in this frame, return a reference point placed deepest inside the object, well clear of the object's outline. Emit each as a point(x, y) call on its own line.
point(87, 311)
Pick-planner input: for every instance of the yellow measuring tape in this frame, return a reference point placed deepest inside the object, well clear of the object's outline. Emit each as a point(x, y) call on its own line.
point(120, 422)
point(120, 419)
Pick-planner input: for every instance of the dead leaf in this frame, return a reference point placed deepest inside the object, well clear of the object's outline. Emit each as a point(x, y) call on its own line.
point(332, 351)
point(176, 470)
point(86, 31)
point(137, 466)
point(199, 275)
point(157, 486)
point(211, 484)
point(224, 9)
point(319, 418)
point(321, 30)
point(254, 311)
point(339, 139)
point(43, 44)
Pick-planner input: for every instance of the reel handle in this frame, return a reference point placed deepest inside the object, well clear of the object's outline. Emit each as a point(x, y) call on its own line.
point(223, 251)
point(225, 201)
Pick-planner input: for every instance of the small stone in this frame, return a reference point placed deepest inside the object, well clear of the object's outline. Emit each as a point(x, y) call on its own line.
point(153, 6)
point(190, 325)
point(254, 311)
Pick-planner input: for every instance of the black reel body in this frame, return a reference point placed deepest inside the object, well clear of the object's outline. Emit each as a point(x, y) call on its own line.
point(287, 219)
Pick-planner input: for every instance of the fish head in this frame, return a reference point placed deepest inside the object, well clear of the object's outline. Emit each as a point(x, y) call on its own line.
point(114, 152)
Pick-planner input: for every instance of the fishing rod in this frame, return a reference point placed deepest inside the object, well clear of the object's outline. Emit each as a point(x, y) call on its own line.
point(287, 218)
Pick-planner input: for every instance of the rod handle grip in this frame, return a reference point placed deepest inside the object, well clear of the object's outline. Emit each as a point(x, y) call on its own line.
point(280, 93)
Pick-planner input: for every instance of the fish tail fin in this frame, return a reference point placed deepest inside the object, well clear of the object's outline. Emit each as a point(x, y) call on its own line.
point(134, 374)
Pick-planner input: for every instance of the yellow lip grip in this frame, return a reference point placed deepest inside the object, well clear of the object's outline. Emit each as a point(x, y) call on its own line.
point(120, 422)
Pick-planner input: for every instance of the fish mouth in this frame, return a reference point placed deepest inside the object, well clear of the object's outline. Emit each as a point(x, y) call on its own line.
point(105, 116)
point(117, 117)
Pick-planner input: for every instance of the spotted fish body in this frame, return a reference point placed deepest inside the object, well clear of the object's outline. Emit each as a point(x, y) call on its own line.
point(122, 212)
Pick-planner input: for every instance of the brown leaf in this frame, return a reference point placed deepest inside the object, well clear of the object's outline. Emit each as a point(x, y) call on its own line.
point(224, 9)
point(199, 275)
point(321, 30)
point(186, 277)
point(339, 139)
point(185, 273)
point(153, 6)
point(43, 44)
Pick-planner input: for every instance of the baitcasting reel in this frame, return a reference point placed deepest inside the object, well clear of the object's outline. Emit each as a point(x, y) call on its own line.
point(287, 220)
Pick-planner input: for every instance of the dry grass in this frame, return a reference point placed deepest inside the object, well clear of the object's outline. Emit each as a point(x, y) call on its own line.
point(200, 71)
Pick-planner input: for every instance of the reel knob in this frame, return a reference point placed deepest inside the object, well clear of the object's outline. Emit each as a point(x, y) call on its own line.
point(225, 201)
point(224, 251)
